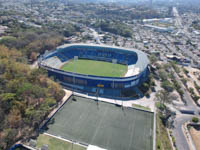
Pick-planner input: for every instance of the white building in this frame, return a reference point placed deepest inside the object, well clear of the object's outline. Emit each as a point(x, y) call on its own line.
point(159, 29)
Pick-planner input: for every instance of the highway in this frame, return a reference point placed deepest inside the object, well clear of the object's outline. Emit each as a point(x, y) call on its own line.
point(178, 22)
point(183, 29)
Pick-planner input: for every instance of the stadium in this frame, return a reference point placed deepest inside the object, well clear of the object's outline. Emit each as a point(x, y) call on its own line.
point(97, 69)
point(90, 123)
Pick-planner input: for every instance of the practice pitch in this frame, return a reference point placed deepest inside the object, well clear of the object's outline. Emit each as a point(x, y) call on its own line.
point(105, 125)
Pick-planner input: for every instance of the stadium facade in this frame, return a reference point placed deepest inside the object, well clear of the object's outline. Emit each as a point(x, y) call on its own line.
point(136, 61)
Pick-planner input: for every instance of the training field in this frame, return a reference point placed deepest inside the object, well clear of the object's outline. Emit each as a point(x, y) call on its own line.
point(104, 125)
point(97, 68)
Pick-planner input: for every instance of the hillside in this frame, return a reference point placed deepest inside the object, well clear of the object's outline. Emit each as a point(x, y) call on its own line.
point(26, 98)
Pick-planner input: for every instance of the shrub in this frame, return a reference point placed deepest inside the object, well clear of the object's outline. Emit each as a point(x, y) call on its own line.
point(173, 140)
point(195, 98)
point(195, 119)
point(160, 106)
point(191, 90)
point(167, 86)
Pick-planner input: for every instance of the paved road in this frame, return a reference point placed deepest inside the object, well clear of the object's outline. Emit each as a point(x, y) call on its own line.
point(178, 22)
point(181, 141)
point(180, 119)
point(184, 29)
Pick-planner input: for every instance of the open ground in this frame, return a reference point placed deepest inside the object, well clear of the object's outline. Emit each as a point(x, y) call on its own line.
point(195, 134)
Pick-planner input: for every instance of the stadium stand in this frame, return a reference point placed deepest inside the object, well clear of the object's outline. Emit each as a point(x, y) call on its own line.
point(136, 61)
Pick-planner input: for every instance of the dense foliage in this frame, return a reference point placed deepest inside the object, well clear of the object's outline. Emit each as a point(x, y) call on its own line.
point(26, 97)
point(31, 40)
point(32, 43)
point(114, 27)
point(119, 12)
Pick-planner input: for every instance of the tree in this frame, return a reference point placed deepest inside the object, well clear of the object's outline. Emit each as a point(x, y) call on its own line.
point(167, 86)
point(184, 80)
point(191, 90)
point(176, 68)
point(14, 118)
point(164, 112)
point(163, 96)
point(6, 101)
point(9, 137)
point(153, 59)
point(167, 67)
point(163, 75)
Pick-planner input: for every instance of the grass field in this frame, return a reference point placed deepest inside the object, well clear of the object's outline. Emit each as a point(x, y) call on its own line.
point(103, 124)
point(162, 139)
point(98, 68)
point(56, 144)
point(141, 107)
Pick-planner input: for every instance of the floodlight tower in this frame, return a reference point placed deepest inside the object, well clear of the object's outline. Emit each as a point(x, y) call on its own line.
point(151, 3)
point(74, 70)
point(97, 94)
point(114, 61)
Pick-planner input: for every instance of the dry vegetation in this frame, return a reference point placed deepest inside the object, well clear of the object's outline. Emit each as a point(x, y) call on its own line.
point(26, 98)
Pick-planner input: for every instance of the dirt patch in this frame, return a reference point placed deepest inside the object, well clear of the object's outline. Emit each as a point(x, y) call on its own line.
point(195, 134)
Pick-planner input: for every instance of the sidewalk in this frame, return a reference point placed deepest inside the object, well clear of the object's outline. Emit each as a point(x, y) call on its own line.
point(146, 102)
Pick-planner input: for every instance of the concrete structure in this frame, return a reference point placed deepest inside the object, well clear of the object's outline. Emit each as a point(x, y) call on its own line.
point(159, 29)
point(162, 20)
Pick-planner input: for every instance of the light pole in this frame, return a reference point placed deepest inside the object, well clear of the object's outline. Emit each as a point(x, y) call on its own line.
point(114, 61)
point(97, 97)
point(74, 70)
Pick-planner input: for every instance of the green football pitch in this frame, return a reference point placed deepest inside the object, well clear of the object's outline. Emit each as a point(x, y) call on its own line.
point(97, 68)
point(56, 144)
point(104, 125)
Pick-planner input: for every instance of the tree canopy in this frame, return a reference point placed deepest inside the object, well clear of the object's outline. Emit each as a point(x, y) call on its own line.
point(114, 27)
point(32, 43)
point(26, 97)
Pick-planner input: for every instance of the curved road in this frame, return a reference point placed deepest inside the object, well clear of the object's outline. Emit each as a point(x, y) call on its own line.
point(181, 141)
point(180, 119)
